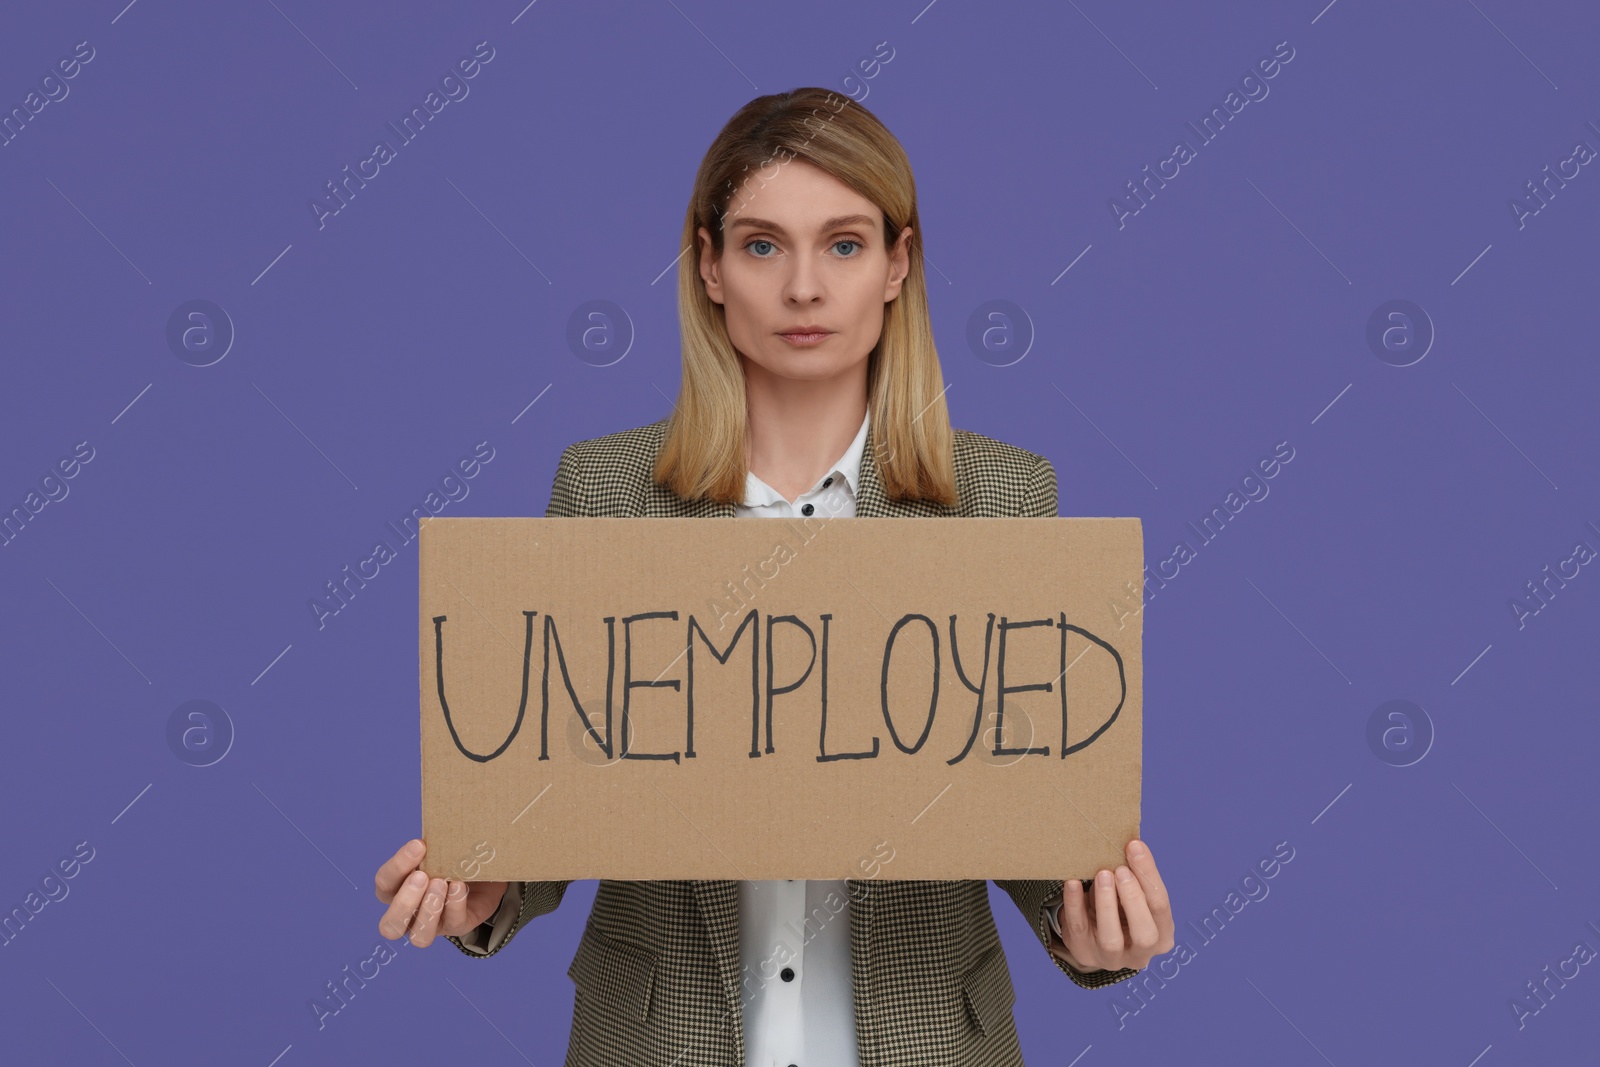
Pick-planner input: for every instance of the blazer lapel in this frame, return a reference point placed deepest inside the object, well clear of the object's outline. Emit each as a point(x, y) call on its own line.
point(870, 501)
point(718, 901)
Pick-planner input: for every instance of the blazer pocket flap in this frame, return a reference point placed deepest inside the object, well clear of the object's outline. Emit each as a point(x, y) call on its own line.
point(987, 990)
point(614, 972)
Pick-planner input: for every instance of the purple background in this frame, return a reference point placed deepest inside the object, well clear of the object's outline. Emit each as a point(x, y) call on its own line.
point(1227, 316)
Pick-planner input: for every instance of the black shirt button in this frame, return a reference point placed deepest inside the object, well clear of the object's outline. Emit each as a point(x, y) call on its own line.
point(807, 509)
point(827, 483)
point(787, 974)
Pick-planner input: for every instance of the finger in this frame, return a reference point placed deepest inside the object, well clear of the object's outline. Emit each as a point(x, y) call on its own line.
point(1076, 927)
point(1108, 919)
point(426, 923)
point(397, 868)
point(1142, 931)
point(1155, 890)
point(456, 918)
point(395, 921)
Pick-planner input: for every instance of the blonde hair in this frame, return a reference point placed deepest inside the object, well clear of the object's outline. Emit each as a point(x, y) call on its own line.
point(703, 454)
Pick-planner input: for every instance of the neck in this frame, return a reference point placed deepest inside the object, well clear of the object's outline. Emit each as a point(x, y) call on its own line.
point(798, 427)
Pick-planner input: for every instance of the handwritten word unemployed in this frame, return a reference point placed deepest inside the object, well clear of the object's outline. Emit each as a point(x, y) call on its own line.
point(764, 690)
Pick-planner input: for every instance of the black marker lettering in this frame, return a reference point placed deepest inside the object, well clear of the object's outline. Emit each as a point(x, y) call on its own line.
point(1001, 689)
point(438, 669)
point(822, 737)
point(793, 620)
point(566, 679)
point(1122, 677)
point(722, 657)
point(629, 685)
point(955, 658)
point(933, 698)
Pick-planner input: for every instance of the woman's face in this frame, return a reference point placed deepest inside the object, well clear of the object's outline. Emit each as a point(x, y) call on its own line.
point(801, 249)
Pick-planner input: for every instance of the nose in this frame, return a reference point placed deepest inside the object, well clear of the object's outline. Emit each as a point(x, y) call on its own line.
point(804, 283)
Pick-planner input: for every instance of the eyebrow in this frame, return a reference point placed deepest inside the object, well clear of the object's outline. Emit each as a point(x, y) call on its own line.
point(831, 224)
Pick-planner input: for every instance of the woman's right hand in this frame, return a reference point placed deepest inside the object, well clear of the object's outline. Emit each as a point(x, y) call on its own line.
point(425, 907)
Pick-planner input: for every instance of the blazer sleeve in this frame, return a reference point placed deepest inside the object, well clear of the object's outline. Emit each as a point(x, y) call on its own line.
point(568, 495)
point(492, 935)
point(1036, 898)
point(528, 900)
point(1040, 499)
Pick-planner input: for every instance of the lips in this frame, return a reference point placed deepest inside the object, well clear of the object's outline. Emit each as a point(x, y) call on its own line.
point(806, 334)
point(805, 340)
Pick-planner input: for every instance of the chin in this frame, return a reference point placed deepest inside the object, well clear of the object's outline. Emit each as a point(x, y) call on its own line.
point(800, 367)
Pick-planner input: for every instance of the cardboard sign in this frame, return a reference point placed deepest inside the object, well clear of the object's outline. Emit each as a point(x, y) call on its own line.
point(686, 698)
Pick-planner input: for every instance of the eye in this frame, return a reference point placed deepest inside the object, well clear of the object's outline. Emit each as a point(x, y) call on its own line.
point(758, 241)
point(847, 241)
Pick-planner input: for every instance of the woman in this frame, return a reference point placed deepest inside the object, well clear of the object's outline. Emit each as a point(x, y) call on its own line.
point(810, 382)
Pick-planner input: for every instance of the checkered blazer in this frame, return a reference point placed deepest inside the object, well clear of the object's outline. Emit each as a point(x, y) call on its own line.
point(657, 970)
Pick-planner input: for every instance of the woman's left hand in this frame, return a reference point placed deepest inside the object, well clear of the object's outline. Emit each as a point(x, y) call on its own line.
point(1126, 922)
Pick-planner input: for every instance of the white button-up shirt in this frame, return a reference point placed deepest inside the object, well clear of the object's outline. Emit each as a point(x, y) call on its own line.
point(794, 935)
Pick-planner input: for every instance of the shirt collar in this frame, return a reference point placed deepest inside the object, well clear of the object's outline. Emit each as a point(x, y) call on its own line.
point(847, 466)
